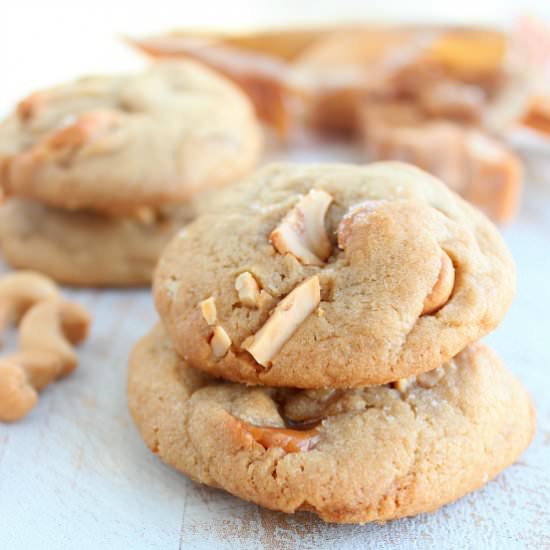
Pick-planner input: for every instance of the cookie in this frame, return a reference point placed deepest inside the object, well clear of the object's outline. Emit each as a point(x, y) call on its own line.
point(350, 456)
point(86, 248)
point(118, 143)
point(332, 275)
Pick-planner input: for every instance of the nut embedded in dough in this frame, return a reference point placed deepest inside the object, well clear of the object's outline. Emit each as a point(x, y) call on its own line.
point(287, 317)
point(86, 128)
point(356, 214)
point(208, 310)
point(302, 231)
point(220, 342)
point(443, 287)
point(248, 290)
point(429, 379)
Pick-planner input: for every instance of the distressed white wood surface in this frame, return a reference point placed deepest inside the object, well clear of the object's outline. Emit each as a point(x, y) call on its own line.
point(75, 474)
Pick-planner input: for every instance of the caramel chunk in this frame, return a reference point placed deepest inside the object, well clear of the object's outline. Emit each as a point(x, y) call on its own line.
point(291, 441)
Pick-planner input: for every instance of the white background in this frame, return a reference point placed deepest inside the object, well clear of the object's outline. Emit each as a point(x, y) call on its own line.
point(44, 41)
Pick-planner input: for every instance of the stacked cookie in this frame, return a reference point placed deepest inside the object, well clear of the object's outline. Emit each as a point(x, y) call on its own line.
point(101, 172)
point(318, 347)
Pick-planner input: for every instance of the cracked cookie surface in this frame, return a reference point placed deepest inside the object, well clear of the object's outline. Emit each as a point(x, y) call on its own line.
point(374, 453)
point(87, 248)
point(116, 143)
point(404, 274)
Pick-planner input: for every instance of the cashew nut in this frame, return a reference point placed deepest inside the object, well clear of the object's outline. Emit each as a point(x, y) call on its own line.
point(53, 326)
point(357, 214)
point(48, 327)
point(19, 291)
point(17, 396)
point(443, 288)
point(302, 231)
point(220, 342)
point(248, 289)
point(41, 367)
point(288, 315)
point(84, 129)
point(209, 311)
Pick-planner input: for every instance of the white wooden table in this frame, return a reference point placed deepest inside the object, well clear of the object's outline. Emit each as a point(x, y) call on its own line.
point(75, 474)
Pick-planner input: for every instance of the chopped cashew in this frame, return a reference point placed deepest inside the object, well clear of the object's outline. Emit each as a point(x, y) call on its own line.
point(302, 231)
point(17, 396)
point(172, 287)
point(208, 310)
point(82, 130)
point(356, 214)
point(443, 287)
point(248, 290)
point(220, 342)
point(290, 312)
point(265, 299)
point(431, 378)
point(425, 380)
point(53, 326)
point(291, 441)
point(19, 291)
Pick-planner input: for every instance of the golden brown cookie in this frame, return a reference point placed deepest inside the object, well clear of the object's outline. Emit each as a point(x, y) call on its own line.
point(350, 456)
point(87, 248)
point(117, 143)
point(332, 275)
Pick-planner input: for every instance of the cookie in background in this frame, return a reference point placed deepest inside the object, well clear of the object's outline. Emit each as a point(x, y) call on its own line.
point(326, 78)
point(100, 173)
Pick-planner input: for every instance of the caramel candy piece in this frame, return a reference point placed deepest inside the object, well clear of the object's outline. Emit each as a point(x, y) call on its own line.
point(291, 441)
point(495, 177)
point(475, 165)
point(538, 115)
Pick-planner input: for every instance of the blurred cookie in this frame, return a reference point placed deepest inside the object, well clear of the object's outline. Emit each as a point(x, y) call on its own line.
point(87, 248)
point(332, 275)
point(118, 143)
point(350, 456)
